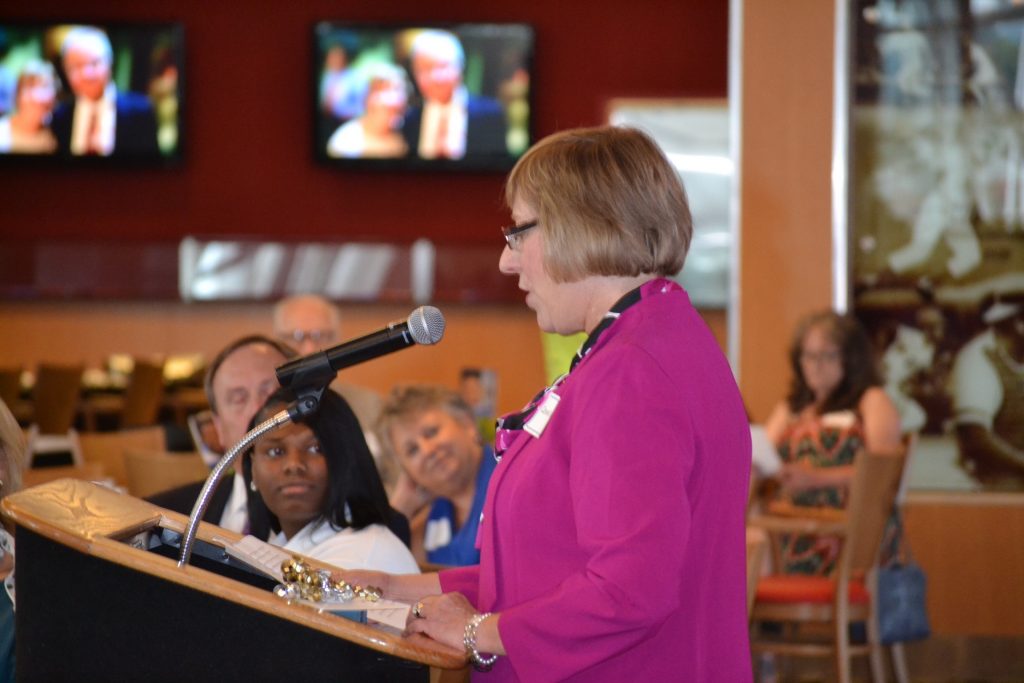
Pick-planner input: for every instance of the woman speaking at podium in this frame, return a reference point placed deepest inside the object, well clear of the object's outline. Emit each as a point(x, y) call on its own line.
point(612, 538)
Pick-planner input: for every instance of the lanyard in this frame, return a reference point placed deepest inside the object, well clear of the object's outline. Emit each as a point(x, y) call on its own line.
point(508, 426)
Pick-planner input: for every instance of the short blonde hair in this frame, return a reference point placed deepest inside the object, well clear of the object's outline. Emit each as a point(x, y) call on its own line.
point(35, 71)
point(408, 400)
point(608, 203)
point(13, 449)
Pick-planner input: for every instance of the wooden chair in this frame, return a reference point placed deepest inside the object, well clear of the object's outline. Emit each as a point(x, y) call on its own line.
point(757, 549)
point(108, 448)
point(801, 602)
point(90, 471)
point(54, 404)
point(10, 384)
point(10, 394)
point(152, 471)
point(144, 395)
point(138, 406)
point(55, 397)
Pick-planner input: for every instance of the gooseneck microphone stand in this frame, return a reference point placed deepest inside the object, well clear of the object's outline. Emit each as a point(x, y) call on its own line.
point(308, 377)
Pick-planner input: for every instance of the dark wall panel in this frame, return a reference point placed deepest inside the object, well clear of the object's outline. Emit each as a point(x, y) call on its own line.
point(249, 169)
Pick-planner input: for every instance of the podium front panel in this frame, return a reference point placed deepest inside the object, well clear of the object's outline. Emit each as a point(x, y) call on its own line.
point(82, 618)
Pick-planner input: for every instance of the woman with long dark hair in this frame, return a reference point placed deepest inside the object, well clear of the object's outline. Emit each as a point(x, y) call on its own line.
point(314, 489)
point(836, 407)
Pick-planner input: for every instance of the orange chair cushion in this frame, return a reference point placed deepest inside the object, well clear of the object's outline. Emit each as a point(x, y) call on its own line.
point(793, 588)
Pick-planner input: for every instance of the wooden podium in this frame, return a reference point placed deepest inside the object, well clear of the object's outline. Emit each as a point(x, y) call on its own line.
point(100, 598)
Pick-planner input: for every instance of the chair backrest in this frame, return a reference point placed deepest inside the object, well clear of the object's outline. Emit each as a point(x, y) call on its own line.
point(108, 448)
point(143, 395)
point(90, 471)
point(876, 479)
point(10, 385)
point(152, 471)
point(55, 397)
point(757, 548)
point(909, 446)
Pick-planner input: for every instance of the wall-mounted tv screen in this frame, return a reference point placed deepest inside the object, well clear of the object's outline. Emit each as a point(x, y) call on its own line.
point(414, 96)
point(91, 93)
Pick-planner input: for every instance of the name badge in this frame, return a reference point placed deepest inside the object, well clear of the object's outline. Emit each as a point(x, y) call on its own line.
point(538, 422)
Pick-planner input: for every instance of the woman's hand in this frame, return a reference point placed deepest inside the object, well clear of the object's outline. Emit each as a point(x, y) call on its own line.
point(408, 497)
point(365, 578)
point(441, 617)
point(402, 587)
point(798, 476)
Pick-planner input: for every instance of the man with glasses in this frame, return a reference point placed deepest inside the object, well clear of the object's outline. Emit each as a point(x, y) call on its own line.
point(307, 322)
point(310, 323)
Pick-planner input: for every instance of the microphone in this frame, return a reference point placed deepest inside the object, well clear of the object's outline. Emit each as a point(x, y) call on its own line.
point(425, 325)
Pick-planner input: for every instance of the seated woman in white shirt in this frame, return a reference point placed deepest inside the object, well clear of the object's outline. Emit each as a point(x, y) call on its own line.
point(316, 490)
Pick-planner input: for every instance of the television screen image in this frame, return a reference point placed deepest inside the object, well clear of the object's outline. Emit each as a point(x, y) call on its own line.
point(91, 92)
point(414, 96)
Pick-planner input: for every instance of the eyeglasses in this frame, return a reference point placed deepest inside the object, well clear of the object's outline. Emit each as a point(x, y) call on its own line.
point(831, 356)
point(514, 233)
point(315, 336)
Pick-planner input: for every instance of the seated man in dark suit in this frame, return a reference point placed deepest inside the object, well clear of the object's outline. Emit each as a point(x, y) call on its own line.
point(237, 383)
point(451, 123)
point(102, 120)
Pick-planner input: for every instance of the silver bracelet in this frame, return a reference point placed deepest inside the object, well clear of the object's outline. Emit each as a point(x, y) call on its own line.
point(469, 640)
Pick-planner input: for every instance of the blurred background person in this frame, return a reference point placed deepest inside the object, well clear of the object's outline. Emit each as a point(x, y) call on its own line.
point(314, 489)
point(26, 130)
point(8, 79)
point(377, 132)
point(342, 91)
point(450, 122)
point(836, 407)
point(101, 120)
point(238, 382)
point(13, 461)
point(987, 387)
point(909, 354)
point(612, 543)
point(311, 323)
point(443, 470)
point(478, 387)
point(164, 89)
point(306, 322)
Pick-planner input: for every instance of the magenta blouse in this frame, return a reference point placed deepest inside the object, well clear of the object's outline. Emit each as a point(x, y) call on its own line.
point(613, 544)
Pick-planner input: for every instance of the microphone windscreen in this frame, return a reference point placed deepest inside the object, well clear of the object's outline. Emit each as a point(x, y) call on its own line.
point(426, 325)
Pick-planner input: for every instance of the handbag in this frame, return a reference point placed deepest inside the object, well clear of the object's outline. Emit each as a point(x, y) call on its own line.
point(902, 609)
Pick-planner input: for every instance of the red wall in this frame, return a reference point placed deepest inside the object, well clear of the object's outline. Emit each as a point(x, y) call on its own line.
point(249, 167)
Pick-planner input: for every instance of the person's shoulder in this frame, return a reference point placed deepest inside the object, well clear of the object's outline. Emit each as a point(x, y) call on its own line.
point(875, 403)
point(781, 412)
point(133, 102)
point(978, 344)
point(346, 141)
point(482, 105)
point(62, 112)
point(876, 397)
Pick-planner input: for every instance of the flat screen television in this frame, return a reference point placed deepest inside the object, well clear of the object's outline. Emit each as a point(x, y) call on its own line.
point(418, 96)
point(91, 93)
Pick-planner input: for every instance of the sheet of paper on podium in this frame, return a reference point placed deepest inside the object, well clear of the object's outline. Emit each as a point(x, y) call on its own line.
point(268, 559)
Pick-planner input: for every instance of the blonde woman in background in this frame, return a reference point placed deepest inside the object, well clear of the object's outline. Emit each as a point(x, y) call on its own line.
point(27, 129)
